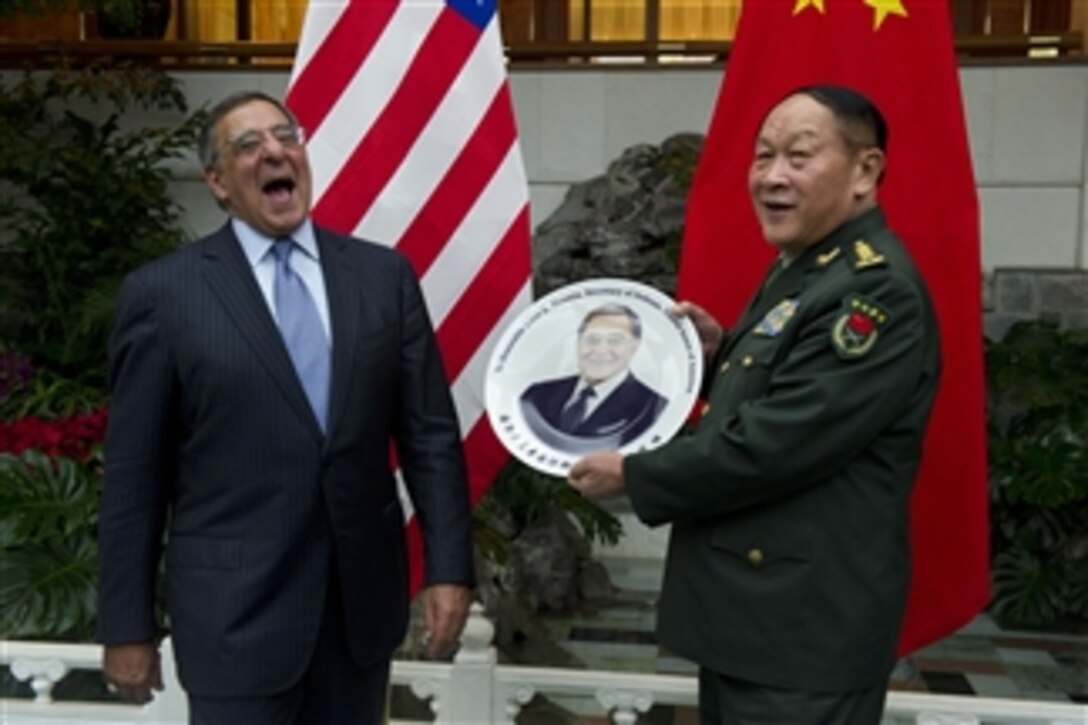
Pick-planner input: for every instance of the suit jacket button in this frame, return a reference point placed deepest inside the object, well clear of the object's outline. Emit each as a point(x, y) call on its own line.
point(755, 557)
point(747, 361)
point(725, 366)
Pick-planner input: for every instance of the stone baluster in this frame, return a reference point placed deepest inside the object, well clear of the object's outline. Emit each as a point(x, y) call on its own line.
point(625, 704)
point(471, 685)
point(42, 673)
point(429, 690)
point(511, 698)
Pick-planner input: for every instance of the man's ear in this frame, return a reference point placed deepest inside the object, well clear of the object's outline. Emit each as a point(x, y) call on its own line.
point(869, 170)
point(213, 175)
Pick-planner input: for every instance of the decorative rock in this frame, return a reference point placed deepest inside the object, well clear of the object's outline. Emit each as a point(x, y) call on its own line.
point(626, 223)
point(543, 563)
point(594, 584)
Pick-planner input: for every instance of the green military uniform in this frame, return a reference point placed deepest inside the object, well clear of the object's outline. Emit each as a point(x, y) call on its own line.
point(788, 563)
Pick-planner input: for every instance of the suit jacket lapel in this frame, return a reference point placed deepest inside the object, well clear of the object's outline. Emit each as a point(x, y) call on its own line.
point(227, 272)
point(344, 316)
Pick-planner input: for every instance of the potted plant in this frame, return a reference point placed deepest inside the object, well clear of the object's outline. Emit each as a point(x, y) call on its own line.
point(1038, 438)
point(84, 198)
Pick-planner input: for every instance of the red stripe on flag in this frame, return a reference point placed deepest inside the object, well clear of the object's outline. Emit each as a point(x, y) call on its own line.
point(335, 62)
point(414, 538)
point(461, 186)
point(434, 69)
point(483, 302)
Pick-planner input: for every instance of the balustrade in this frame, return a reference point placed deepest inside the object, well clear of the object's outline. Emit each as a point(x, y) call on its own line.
point(476, 689)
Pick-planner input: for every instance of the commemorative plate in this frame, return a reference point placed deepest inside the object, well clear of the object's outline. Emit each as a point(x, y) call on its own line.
point(597, 365)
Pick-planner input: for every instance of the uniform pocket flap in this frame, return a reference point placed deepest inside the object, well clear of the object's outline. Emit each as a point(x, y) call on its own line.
point(764, 545)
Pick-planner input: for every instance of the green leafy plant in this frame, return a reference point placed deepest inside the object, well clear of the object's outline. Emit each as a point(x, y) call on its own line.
point(84, 199)
point(51, 395)
point(1039, 474)
point(48, 546)
point(521, 495)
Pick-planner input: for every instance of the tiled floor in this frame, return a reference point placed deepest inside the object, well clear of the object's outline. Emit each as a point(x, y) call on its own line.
point(980, 659)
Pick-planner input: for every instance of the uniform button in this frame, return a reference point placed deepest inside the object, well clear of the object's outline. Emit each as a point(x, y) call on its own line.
point(747, 361)
point(755, 557)
point(706, 408)
point(725, 366)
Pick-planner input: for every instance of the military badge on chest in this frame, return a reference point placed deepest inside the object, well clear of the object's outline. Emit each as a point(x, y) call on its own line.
point(773, 322)
point(857, 328)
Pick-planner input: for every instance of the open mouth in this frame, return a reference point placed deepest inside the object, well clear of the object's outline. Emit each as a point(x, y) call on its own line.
point(776, 206)
point(279, 191)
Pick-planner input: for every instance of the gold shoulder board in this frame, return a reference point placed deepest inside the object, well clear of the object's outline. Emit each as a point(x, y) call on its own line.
point(865, 256)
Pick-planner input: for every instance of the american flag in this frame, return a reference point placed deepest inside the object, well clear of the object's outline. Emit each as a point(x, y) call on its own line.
point(413, 144)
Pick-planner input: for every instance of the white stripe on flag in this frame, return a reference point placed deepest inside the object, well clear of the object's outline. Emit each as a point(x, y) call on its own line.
point(446, 133)
point(481, 230)
point(363, 100)
point(321, 16)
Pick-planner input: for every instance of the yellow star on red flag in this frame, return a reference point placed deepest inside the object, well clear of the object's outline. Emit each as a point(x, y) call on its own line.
point(883, 8)
point(803, 4)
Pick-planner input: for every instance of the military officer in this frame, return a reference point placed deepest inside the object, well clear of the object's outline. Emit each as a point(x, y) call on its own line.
point(788, 562)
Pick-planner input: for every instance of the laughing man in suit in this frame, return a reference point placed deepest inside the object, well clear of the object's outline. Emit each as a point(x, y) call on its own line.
point(605, 405)
point(286, 568)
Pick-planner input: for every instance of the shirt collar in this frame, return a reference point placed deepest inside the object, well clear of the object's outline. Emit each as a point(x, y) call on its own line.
point(604, 388)
point(256, 245)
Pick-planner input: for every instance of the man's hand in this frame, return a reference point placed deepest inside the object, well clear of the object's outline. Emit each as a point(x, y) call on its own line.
point(132, 670)
point(710, 332)
point(445, 609)
point(598, 475)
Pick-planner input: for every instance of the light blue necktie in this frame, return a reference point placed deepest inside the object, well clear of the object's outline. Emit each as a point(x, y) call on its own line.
point(302, 331)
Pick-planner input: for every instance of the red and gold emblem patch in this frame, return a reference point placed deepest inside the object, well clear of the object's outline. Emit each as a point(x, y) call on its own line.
point(856, 330)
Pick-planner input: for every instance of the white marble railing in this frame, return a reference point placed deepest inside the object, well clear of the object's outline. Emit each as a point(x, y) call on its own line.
point(476, 690)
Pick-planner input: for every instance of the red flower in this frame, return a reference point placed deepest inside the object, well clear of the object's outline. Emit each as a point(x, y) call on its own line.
point(75, 437)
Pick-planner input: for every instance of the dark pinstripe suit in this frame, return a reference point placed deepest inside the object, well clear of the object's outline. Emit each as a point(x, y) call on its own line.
point(211, 437)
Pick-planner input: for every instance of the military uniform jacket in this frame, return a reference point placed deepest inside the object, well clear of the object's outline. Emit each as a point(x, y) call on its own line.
point(788, 561)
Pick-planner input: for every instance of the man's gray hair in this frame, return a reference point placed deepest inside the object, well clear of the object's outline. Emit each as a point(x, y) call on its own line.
point(614, 310)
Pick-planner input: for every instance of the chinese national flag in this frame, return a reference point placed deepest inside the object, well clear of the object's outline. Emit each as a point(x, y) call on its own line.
point(900, 54)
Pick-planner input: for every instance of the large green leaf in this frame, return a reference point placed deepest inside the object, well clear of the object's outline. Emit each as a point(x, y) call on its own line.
point(48, 546)
point(44, 499)
point(48, 591)
point(1026, 589)
point(526, 495)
